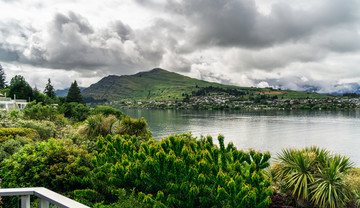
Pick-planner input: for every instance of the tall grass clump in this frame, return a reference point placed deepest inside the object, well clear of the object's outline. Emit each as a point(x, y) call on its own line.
point(314, 177)
point(132, 127)
point(97, 125)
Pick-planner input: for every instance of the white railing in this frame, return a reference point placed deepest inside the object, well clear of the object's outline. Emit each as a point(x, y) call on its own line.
point(5, 99)
point(12, 104)
point(45, 195)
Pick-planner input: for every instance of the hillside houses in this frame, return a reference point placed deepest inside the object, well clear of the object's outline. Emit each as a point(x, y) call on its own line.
point(233, 102)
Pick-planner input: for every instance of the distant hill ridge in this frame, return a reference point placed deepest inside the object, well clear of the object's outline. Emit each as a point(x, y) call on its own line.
point(157, 84)
point(160, 85)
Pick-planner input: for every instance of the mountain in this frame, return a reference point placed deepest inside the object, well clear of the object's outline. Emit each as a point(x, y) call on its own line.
point(159, 85)
point(64, 92)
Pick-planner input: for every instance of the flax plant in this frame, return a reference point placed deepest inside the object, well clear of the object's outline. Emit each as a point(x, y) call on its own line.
point(330, 189)
point(315, 177)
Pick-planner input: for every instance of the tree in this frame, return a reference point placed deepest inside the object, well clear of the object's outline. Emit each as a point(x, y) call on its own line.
point(20, 88)
point(2, 78)
point(49, 90)
point(74, 94)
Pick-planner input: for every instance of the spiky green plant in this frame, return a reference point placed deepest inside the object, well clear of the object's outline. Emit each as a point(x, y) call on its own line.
point(99, 125)
point(297, 171)
point(314, 175)
point(329, 189)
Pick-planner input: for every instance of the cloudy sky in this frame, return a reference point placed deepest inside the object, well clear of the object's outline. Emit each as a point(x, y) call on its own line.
point(292, 44)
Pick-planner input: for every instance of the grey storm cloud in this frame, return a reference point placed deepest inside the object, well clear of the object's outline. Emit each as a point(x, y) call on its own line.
point(12, 50)
point(123, 30)
point(71, 43)
point(8, 55)
point(83, 25)
point(239, 23)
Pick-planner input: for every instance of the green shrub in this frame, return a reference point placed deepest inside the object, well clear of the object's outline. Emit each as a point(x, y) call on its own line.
point(75, 111)
point(11, 146)
point(179, 172)
point(10, 133)
point(106, 110)
point(124, 201)
point(8, 122)
point(46, 129)
point(37, 111)
point(61, 120)
point(132, 127)
point(54, 164)
point(14, 114)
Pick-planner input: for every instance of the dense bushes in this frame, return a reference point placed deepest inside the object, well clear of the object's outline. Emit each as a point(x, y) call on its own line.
point(105, 159)
point(37, 111)
point(12, 145)
point(54, 164)
point(12, 139)
point(9, 133)
point(75, 111)
point(179, 171)
point(46, 129)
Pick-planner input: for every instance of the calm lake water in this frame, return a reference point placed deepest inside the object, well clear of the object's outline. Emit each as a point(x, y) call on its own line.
point(271, 131)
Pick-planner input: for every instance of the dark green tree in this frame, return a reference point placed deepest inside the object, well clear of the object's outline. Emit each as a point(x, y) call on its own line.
point(20, 88)
point(74, 94)
point(37, 95)
point(2, 78)
point(49, 90)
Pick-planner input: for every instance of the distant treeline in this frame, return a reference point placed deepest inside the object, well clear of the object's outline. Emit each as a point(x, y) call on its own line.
point(351, 95)
point(206, 90)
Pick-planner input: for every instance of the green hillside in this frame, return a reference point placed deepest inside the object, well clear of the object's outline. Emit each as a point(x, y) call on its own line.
point(161, 85)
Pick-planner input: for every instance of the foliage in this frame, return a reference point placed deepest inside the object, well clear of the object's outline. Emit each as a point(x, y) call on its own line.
point(38, 111)
point(37, 95)
point(97, 125)
point(2, 78)
point(132, 127)
point(11, 146)
point(9, 133)
point(106, 110)
point(49, 90)
point(124, 200)
point(46, 129)
point(55, 164)
point(75, 111)
point(313, 175)
point(14, 114)
point(74, 94)
point(20, 88)
point(179, 172)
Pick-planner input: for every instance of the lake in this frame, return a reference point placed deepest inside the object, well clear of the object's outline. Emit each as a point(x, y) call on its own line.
point(271, 131)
